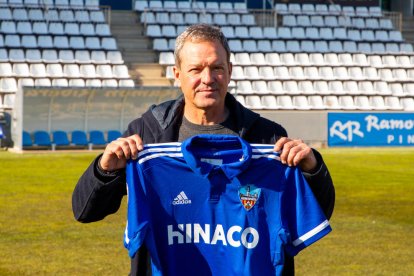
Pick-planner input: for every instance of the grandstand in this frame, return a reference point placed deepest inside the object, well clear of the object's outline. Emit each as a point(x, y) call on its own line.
point(292, 61)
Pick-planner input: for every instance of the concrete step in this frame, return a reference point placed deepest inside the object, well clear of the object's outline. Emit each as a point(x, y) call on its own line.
point(140, 57)
point(141, 43)
point(154, 82)
point(147, 70)
point(123, 17)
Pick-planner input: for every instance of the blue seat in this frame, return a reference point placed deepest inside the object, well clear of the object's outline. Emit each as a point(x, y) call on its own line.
point(79, 138)
point(96, 138)
point(41, 138)
point(113, 135)
point(27, 139)
point(60, 138)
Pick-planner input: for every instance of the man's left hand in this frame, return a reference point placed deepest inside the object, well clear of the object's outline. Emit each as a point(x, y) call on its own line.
point(294, 152)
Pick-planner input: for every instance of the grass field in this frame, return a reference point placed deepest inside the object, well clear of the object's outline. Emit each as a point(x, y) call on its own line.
point(373, 221)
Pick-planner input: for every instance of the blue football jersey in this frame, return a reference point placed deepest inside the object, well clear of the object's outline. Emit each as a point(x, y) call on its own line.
point(216, 205)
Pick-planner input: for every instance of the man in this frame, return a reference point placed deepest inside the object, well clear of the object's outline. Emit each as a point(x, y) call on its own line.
point(203, 72)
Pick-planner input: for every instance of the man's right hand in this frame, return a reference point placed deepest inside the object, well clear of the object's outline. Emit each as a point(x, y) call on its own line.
point(119, 151)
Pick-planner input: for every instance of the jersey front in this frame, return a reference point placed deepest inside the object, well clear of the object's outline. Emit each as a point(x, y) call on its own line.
point(216, 205)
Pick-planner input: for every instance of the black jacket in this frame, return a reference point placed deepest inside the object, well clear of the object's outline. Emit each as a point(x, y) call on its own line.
point(97, 195)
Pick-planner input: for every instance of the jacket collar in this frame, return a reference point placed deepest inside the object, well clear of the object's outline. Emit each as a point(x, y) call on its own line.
point(167, 113)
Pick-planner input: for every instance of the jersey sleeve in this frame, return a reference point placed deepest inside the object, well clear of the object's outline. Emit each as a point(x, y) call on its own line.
point(302, 216)
point(138, 216)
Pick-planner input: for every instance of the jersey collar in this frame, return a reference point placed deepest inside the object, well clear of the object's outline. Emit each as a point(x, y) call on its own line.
point(193, 149)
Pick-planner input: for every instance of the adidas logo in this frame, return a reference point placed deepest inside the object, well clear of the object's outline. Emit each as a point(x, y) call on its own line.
point(181, 198)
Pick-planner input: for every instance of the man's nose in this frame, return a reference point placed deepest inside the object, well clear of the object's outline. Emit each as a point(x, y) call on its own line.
point(207, 75)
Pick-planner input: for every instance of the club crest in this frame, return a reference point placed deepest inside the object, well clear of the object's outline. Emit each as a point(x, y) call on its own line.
point(249, 194)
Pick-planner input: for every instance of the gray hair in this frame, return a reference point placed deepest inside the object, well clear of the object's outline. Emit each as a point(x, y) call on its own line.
point(198, 33)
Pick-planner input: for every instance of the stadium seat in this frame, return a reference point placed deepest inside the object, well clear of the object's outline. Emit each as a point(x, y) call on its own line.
point(79, 138)
point(113, 135)
point(96, 138)
point(407, 104)
point(60, 138)
point(41, 138)
point(27, 139)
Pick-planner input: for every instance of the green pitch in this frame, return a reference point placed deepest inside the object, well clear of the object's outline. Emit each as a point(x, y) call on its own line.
point(373, 221)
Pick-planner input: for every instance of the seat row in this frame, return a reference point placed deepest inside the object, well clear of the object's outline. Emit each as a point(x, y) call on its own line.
point(11, 85)
point(182, 18)
point(337, 21)
point(58, 42)
point(57, 70)
point(297, 46)
point(31, 14)
point(63, 139)
point(291, 87)
point(60, 56)
point(54, 28)
point(309, 8)
point(311, 59)
point(326, 102)
point(75, 4)
point(193, 6)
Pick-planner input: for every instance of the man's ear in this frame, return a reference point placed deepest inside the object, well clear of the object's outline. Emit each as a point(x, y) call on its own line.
point(177, 74)
point(230, 68)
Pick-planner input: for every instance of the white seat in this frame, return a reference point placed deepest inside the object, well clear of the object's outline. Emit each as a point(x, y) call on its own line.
point(291, 87)
point(381, 35)
point(257, 59)
point(92, 43)
point(360, 59)
point(331, 102)
point(88, 71)
point(234, 19)
point(228, 32)
point(104, 71)
point(301, 102)
point(125, 83)
point(406, 48)
point(372, 23)
point(252, 73)
point(370, 73)
point(403, 62)
point(270, 32)
point(25, 82)
point(114, 83)
point(407, 104)
point(275, 87)
point(400, 74)
point(368, 35)
point(284, 32)
point(289, 20)
point(346, 102)
point(244, 87)
point(266, 73)
point(381, 87)
point(120, 71)
point(316, 59)
point(311, 72)
point(71, 71)
point(288, 59)
point(67, 16)
point(273, 59)
point(305, 87)
point(386, 23)
point(253, 102)
point(312, 33)
point(317, 21)
point(97, 16)
point(54, 70)
point(358, 22)
point(345, 21)
point(6, 69)
point(281, 72)
point(21, 70)
point(4, 55)
point(355, 72)
point(350, 87)
point(296, 72)
point(302, 59)
point(393, 103)
point(408, 88)
point(82, 56)
point(24, 27)
point(8, 85)
point(93, 83)
point(42, 82)
point(326, 33)
point(397, 89)
point(220, 19)
point(269, 102)
point(166, 58)
point(20, 14)
point(160, 44)
point(82, 16)
point(294, 8)
point(259, 87)
point(242, 59)
point(256, 32)
point(102, 29)
point(39, 28)
point(5, 13)
point(237, 73)
point(331, 21)
point(337, 88)
point(332, 59)
point(248, 20)
point(240, 98)
point(326, 73)
point(321, 9)
point(77, 83)
point(377, 102)
point(321, 87)
point(385, 74)
point(285, 102)
point(51, 14)
point(176, 18)
point(366, 87)
point(392, 47)
point(362, 103)
point(316, 102)
point(168, 31)
point(38, 70)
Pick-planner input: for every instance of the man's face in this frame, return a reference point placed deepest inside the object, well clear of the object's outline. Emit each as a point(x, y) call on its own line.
point(204, 74)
